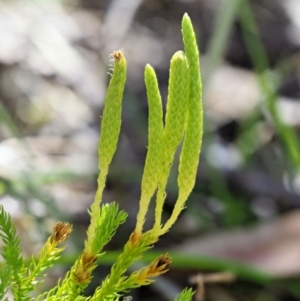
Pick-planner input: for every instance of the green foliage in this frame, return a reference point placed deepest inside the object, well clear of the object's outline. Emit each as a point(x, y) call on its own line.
point(5, 274)
point(110, 129)
point(183, 124)
point(109, 220)
point(111, 119)
point(155, 147)
point(185, 295)
point(11, 253)
point(175, 122)
point(22, 279)
point(117, 282)
point(189, 158)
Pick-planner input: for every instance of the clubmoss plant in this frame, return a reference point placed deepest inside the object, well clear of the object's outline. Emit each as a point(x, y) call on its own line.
point(182, 124)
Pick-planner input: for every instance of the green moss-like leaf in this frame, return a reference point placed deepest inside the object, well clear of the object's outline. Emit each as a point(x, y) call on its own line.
point(111, 119)
point(185, 295)
point(189, 157)
point(110, 130)
point(176, 114)
point(110, 219)
point(154, 157)
point(11, 253)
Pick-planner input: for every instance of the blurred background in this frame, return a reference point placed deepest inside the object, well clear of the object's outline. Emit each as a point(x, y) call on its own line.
point(243, 216)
